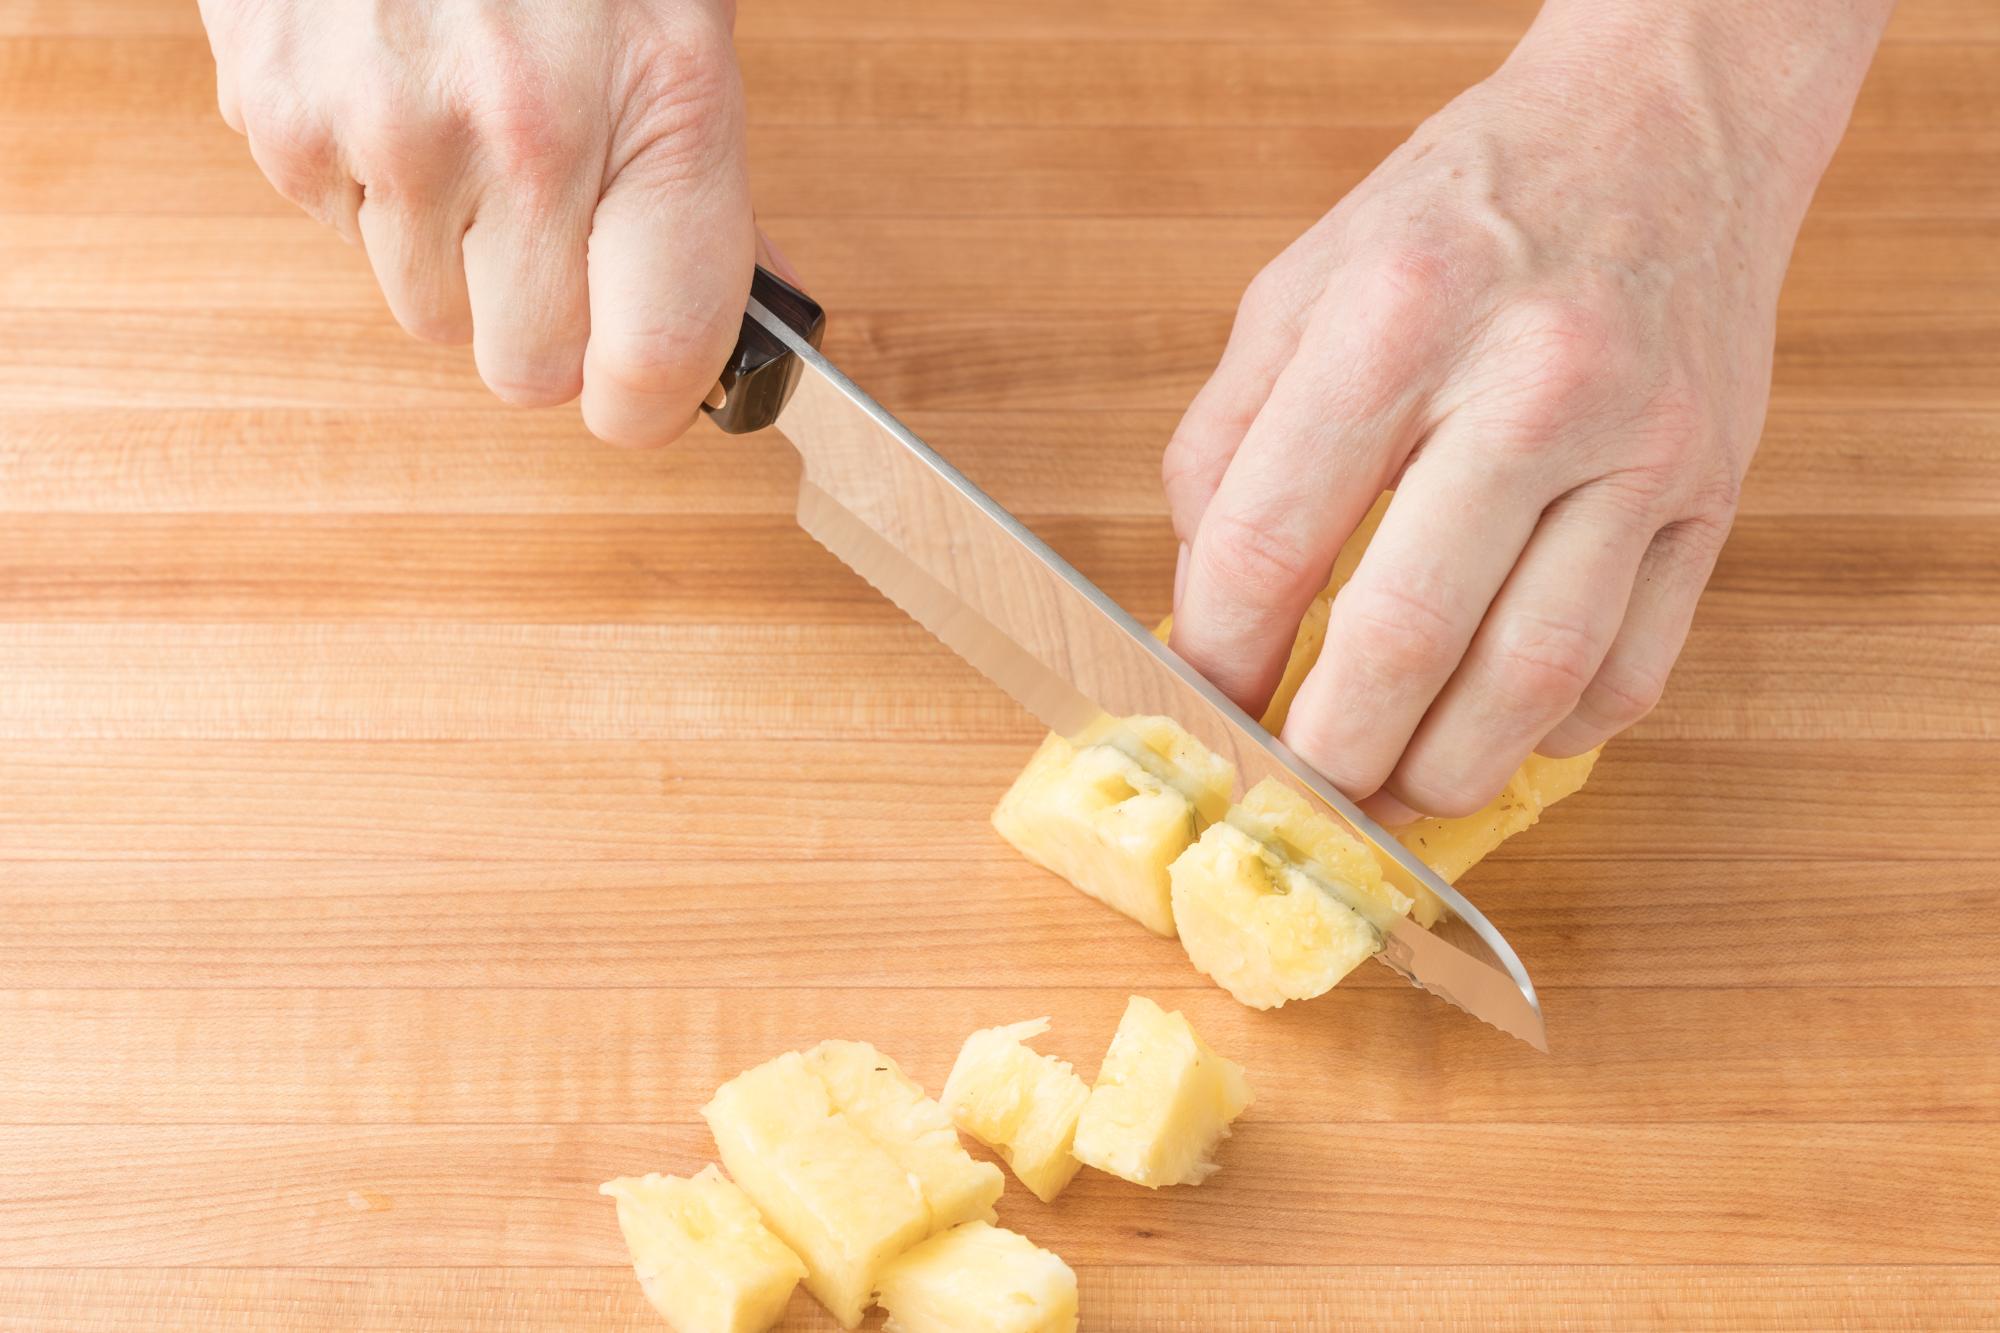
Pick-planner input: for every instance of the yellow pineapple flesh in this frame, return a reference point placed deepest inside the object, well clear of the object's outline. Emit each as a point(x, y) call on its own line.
point(1453, 846)
point(704, 1258)
point(827, 1189)
point(978, 1278)
point(1162, 1103)
point(873, 1093)
point(1111, 813)
point(1020, 1103)
point(1259, 927)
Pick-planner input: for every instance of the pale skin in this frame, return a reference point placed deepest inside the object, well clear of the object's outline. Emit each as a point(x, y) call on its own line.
point(1546, 320)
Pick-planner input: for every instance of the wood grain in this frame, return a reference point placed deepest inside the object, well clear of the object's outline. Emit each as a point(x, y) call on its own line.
point(272, 922)
point(1180, 1298)
point(478, 1055)
point(410, 810)
point(1738, 1192)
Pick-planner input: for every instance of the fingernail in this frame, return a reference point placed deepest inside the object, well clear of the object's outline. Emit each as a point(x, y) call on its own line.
point(1180, 576)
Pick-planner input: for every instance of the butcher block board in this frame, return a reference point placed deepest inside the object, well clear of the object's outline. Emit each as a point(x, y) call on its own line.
point(411, 810)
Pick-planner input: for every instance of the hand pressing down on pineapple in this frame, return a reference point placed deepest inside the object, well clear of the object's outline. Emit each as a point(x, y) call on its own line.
point(1548, 321)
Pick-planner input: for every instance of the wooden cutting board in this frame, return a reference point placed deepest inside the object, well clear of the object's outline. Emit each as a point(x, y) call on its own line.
point(410, 810)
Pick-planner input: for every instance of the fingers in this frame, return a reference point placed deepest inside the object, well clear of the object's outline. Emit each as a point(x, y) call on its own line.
point(1540, 644)
point(1402, 623)
point(1339, 420)
point(1261, 342)
point(1633, 674)
point(672, 249)
point(526, 288)
point(419, 261)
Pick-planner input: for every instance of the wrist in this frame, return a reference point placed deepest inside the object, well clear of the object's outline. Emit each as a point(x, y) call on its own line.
point(1753, 96)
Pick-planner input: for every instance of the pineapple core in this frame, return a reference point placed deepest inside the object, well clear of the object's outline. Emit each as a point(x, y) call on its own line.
point(703, 1256)
point(1018, 1102)
point(978, 1279)
point(1111, 821)
point(1162, 1103)
point(845, 1168)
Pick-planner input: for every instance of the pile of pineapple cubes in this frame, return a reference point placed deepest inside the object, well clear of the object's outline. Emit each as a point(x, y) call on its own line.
point(1272, 899)
point(843, 1174)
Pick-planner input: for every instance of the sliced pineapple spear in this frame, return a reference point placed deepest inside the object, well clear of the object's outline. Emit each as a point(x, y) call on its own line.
point(837, 1149)
point(1162, 1102)
point(978, 1278)
point(704, 1257)
point(1018, 1102)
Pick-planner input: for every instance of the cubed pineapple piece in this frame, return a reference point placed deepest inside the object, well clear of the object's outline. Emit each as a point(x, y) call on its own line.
point(844, 1204)
point(1260, 927)
point(874, 1094)
point(1162, 1102)
point(978, 1279)
point(1282, 902)
point(704, 1257)
point(1453, 846)
point(1331, 852)
point(1018, 1102)
point(1111, 822)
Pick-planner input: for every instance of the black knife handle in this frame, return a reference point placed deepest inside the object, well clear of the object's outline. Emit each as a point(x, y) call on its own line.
point(761, 372)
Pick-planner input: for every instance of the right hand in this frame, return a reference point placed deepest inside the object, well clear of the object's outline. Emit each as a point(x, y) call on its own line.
point(560, 182)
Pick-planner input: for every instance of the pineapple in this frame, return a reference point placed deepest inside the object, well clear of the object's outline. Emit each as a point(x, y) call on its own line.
point(1162, 1103)
point(871, 1091)
point(1020, 1103)
point(1453, 846)
point(1281, 902)
point(703, 1256)
point(828, 1190)
point(1110, 813)
point(978, 1278)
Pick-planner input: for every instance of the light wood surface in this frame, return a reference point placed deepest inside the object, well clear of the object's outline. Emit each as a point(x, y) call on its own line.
point(410, 810)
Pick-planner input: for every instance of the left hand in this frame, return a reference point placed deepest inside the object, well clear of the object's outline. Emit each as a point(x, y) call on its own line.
point(1547, 320)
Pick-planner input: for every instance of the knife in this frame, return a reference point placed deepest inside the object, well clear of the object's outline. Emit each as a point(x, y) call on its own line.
point(937, 546)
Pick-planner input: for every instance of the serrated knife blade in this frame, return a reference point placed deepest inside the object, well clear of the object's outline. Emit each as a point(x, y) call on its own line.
point(938, 547)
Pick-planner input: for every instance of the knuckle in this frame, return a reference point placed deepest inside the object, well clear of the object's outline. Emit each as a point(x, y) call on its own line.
point(1624, 692)
point(294, 147)
point(685, 98)
point(1396, 632)
point(1407, 282)
point(1255, 562)
point(656, 360)
point(539, 383)
point(1443, 795)
point(444, 327)
point(1543, 664)
point(1329, 743)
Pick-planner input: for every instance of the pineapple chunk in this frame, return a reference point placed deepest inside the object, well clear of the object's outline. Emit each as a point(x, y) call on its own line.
point(1105, 820)
point(825, 1187)
point(1162, 1103)
point(1261, 928)
point(1453, 846)
point(1269, 928)
point(703, 1256)
point(978, 1279)
point(873, 1093)
point(1020, 1103)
